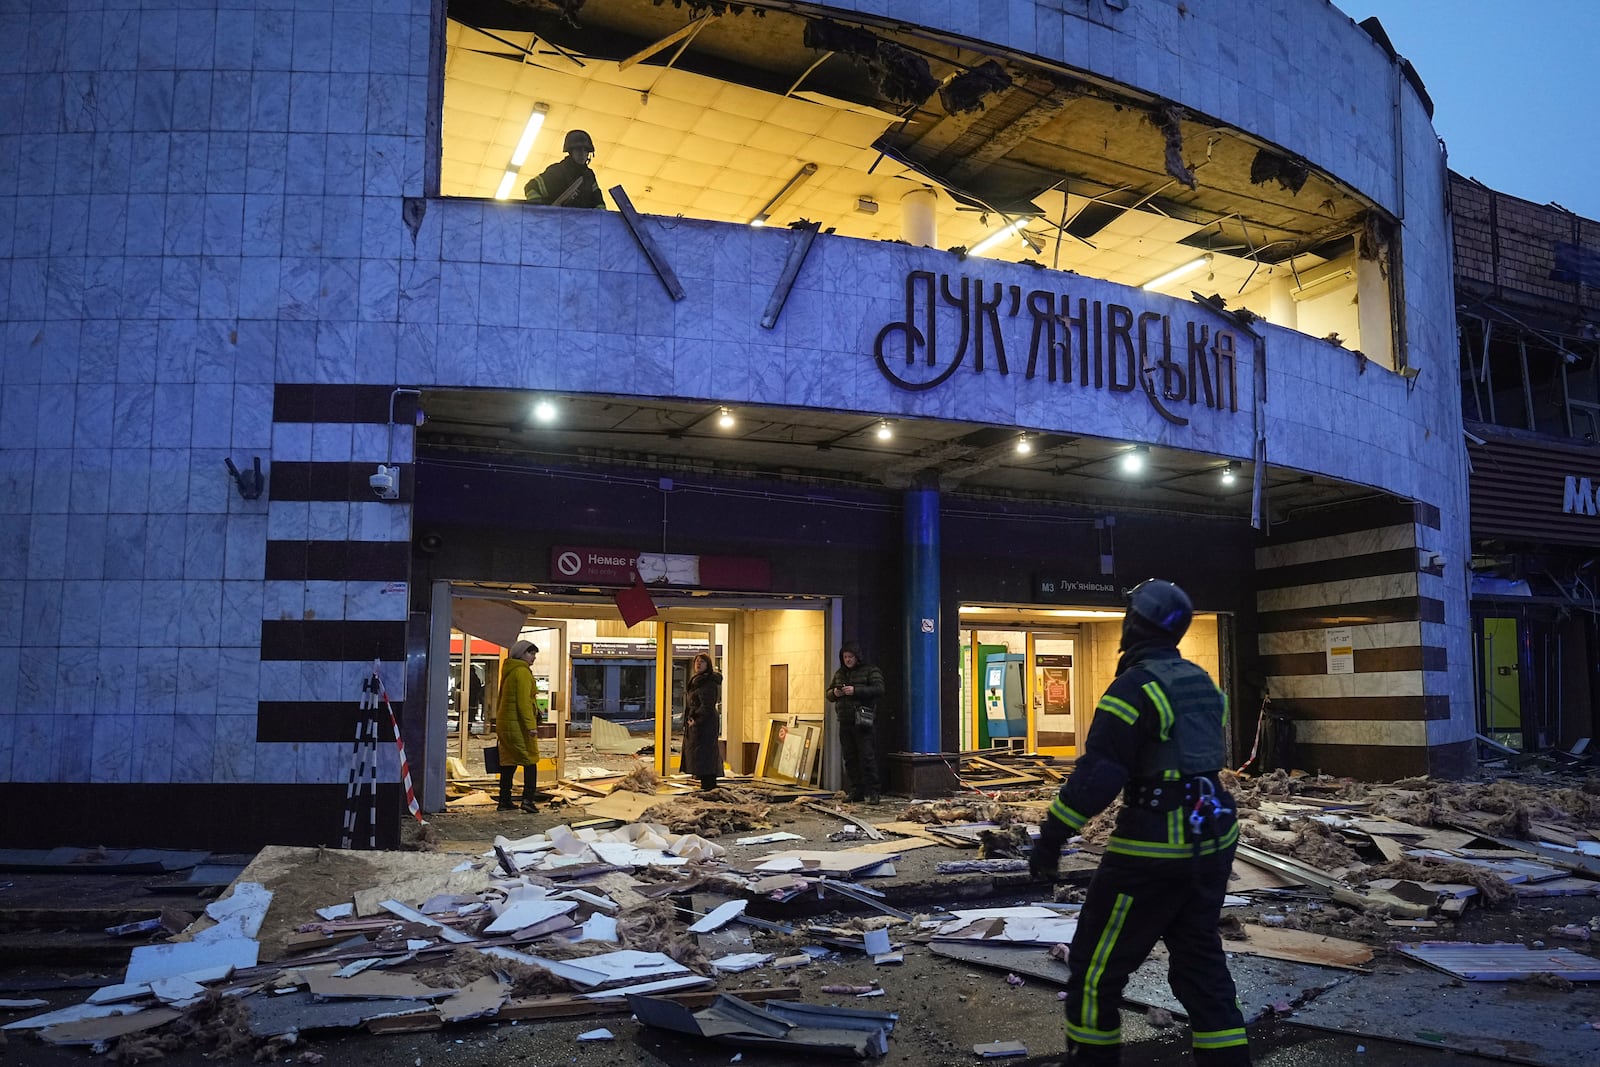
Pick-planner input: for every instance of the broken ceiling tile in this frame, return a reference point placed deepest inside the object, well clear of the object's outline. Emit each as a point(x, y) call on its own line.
point(239, 914)
point(722, 916)
point(148, 962)
point(1499, 962)
point(526, 913)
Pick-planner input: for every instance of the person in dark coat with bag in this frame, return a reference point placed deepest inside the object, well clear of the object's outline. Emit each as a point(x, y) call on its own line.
point(702, 722)
point(854, 693)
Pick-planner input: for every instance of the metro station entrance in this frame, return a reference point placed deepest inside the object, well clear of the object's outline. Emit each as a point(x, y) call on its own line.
point(606, 690)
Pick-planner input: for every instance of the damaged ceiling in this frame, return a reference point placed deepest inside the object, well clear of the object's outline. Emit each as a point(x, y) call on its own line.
point(715, 120)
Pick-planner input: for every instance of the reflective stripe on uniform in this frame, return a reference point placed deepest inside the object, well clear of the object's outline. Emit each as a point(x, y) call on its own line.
point(1084, 1032)
point(1120, 708)
point(1160, 850)
point(1059, 810)
point(1084, 1035)
point(1220, 1038)
point(1175, 821)
point(1225, 707)
point(1163, 708)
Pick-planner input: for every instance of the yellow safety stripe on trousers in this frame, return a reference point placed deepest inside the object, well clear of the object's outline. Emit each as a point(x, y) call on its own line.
point(1084, 1033)
point(1220, 1038)
point(1163, 708)
point(1074, 819)
point(1175, 821)
point(1160, 850)
point(1120, 708)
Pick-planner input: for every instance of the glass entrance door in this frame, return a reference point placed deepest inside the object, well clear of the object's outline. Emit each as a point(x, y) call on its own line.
point(1502, 682)
point(676, 646)
point(1051, 695)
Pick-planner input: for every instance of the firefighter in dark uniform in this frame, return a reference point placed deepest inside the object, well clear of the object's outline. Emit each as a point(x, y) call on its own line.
point(1158, 738)
point(568, 182)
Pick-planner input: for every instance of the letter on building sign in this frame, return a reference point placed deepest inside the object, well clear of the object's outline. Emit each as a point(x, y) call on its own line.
point(1120, 348)
point(1579, 497)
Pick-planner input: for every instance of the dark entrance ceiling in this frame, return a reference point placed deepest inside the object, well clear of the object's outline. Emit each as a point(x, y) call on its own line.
point(844, 449)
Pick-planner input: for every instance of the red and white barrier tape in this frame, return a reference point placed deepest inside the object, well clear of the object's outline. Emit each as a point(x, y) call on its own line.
point(405, 766)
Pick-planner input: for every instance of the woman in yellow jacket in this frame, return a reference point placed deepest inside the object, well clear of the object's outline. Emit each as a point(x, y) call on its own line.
point(516, 726)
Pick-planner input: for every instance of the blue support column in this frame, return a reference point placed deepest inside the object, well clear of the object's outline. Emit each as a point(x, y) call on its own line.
point(922, 618)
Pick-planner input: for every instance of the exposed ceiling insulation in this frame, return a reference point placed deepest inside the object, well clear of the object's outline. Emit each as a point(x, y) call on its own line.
point(724, 109)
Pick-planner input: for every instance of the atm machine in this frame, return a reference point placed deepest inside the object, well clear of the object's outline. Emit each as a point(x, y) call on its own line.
point(1005, 704)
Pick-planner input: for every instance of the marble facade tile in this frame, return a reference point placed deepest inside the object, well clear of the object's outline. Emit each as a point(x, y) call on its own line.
point(173, 404)
point(69, 225)
point(247, 545)
point(234, 753)
point(383, 231)
point(283, 600)
point(460, 292)
point(420, 282)
point(331, 442)
point(152, 745)
point(379, 521)
point(288, 520)
point(72, 748)
point(35, 735)
point(242, 606)
point(377, 349)
point(124, 546)
point(386, 169)
point(538, 296)
point(497, 292)
point(231, 98)
point(110, 750)
point(161, 613)
point(324, 600)
point(91, 480)
point(27, 293)
point(323, 680)
point(275, 763)
point(291, 441)
point(80, 613)
point(379, 299)
point(323, 764)
point(155, 680)
point(335, 344)
point(541, 236)
point(52, 480)
point(204, 542)
point(328, 520)
point(11, 599)
point(47, 550)
point(374, 601)
point(8, 726)
point(193, 747)
point(19, 415)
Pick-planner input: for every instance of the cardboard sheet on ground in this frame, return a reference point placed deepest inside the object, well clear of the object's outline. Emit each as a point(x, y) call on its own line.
point(1300, 946)
point(94, 1031)
point(373, 984)
point(1418, 1006)
point(623, 805)
point(169, 960)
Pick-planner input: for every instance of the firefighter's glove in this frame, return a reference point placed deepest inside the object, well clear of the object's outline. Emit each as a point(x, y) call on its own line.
point(1045, 860)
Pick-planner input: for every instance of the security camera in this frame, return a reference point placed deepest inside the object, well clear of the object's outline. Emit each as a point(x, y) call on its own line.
point(385, 482)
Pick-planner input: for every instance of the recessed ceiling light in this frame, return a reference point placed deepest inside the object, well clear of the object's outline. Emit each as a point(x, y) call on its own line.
point(1229, 473)
point(725, 419)
point(1133, 459)
point(544, 411)
point(884, 430)
point(1024, 446)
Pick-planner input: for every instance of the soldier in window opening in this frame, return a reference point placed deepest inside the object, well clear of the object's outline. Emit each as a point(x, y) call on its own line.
point(854, 692)
point(568, 182)
point(1157, 737)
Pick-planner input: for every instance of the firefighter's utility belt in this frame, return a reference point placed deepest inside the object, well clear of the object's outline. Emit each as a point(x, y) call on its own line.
point(1147, 794)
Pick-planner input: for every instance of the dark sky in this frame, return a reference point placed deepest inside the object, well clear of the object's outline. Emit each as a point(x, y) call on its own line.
point(1515, 87)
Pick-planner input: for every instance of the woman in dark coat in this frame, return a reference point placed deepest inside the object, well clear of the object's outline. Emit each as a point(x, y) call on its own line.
point(702, 722)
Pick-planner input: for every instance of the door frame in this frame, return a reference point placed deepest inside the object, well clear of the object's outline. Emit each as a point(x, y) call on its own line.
point(667, 633)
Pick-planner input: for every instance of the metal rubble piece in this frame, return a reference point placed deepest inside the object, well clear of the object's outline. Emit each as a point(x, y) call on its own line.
point(1519, 1022)
point(272, 1016)
point(1501, 962)
point(818, 1029)
point(1261, 982)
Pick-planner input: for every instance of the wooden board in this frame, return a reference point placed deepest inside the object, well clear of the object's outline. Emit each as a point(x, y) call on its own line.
point(1301, 947)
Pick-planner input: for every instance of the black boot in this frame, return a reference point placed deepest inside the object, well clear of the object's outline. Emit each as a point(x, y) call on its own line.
point(530, 784)
point(506, 804)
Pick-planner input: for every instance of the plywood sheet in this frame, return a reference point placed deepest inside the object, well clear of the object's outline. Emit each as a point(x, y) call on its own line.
point(623, 805)
point(1301, 947)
